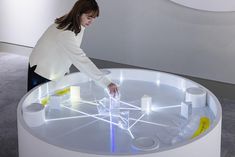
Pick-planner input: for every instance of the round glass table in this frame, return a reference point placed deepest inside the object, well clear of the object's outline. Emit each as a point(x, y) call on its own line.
point(154, 114)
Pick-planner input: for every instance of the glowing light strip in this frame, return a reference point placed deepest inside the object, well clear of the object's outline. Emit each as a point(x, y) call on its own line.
point(135, 108)
point(77, 128)
point(130, 105)
point(131, 134)
point(121, 118)
point(130, 109)
point(96, 104)
point(47, 88)
point(67, 118)
point(90, 115)
point(143, 121)
point(83, 102)
point(39, 92)
point(88, 102)
point(129, 131)
point(112, 137)
point(166, 107)
point(158, 124)
point(136, 121)
point(124, 102)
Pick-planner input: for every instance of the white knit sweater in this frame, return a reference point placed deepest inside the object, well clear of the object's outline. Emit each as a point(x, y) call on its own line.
point(57, 50)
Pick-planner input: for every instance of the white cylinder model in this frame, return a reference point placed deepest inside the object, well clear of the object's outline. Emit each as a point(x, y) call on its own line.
point(34, 114)
point(197, 96)
point(90, 128)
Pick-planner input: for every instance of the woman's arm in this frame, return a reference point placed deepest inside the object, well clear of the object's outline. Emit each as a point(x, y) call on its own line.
point(71, 47)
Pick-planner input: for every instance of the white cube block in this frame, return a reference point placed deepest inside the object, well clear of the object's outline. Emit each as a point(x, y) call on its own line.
point(197, 96)
point(146, 102)
point(186, 109)
point(34, 114)
point(75, 93)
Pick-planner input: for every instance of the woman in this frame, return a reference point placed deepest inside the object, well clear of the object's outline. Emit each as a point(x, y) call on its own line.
point(59, 48)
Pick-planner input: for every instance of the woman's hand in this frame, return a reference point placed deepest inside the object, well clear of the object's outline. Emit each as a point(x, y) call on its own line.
point(113, 89)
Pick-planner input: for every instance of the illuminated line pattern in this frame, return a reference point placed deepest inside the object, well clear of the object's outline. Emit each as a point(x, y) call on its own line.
point(136, 121)
point(132, 136)
point(77, 128)
point(110, 121)
point(68, 118)
point(157, 124)
point(168, 107)
point(89, 115)
point(130, 105)
point(130, 109)
point(89, 102)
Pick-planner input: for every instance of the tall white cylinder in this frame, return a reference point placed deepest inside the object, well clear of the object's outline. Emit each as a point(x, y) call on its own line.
point(196, 96)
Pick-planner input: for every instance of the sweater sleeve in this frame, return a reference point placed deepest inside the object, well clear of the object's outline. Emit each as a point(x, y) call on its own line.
point(71, 46)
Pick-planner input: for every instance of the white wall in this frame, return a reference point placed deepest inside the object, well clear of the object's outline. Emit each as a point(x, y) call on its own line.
point(157, 34)
point(161, 35)
point(209, 5)
point(23, 21)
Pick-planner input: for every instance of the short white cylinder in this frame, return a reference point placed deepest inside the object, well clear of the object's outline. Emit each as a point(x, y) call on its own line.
point(196, 96)
point(34, 114)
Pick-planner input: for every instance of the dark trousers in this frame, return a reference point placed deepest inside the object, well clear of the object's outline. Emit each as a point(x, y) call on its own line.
point(34, 79)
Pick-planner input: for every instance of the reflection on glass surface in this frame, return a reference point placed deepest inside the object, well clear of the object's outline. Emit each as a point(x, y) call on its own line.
point(146, 117)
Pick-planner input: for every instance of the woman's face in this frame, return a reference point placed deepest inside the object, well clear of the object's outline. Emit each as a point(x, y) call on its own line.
point(86, 19)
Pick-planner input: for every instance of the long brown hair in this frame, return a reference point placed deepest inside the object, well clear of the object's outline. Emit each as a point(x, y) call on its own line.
point(71, 21)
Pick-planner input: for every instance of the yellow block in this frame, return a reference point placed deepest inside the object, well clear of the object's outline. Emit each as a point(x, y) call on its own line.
point(44, 101)
point(203, 126)
point(61, 92)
